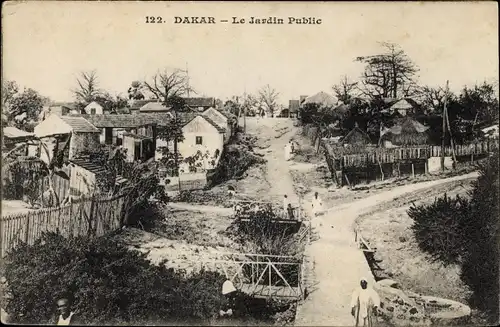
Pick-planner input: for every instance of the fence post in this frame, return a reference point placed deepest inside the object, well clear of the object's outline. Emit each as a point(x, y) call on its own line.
point(91, 216)
point(26, 236)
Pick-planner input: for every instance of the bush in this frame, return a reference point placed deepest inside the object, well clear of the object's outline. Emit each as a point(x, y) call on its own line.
point(466, 232)
point(438, 228)
point(480, 268)
point(109, 283)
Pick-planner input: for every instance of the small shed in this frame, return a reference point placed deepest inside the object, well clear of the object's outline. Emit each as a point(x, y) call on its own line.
point(85, 177)
point(356, 137)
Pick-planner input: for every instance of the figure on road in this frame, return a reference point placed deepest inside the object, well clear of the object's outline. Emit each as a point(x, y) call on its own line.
point(364, 304)
point(317, 204)
point(290, 212)
point(285, 203)
point(288, 152)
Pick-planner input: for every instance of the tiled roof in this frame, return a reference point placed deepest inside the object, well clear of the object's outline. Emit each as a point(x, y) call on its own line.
point(79, 124)
point(200, 102)
point(122, 111)
point(154, 106)
point(90, 166)
point(219, 128)
point(321, 98)
point(127, 121)
point(137, 104)
point(13, 132)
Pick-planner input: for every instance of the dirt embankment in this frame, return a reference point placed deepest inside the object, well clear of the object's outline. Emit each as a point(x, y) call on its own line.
point(388, 228)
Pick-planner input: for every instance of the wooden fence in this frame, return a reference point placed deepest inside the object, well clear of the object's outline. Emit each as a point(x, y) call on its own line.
point(348, 157)
point(86, 217)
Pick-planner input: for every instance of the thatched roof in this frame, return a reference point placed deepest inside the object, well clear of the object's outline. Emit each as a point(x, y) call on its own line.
point(407, 131)
point(323, 99)
point(357, 137)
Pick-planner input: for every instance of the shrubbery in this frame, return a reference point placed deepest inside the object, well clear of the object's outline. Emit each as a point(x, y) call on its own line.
point(466, 232)
point(109, 283)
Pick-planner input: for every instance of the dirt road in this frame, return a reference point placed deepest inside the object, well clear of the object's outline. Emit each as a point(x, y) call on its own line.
point(273, 134)
point(338, 264)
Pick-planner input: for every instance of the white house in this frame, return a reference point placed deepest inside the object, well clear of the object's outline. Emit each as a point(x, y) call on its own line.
point(94, 108)
point(200, 134)
point(84, 135)
point(220, 119)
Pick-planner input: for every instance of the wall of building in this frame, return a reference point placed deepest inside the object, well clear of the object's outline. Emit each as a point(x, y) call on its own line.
point(220, 120)
point(98, 109)
point(212, 140)
point(82, 141)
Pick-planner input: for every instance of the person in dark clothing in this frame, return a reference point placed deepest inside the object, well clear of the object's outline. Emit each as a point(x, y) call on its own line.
point(290, 212)
point(65, 316)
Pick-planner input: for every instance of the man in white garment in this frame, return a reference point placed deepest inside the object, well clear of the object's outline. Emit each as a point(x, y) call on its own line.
point(364, 304)
point(285, 204)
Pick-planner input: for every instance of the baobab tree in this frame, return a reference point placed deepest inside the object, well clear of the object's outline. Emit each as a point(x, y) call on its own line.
point(345, 89)
point(168, 83)
point(390, 74)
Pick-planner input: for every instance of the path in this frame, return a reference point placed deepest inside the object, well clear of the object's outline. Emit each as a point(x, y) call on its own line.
point(276, 132)
point(201, 208)
point(338, 264)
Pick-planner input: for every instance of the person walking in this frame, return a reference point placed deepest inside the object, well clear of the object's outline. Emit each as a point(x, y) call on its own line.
point(364, 304)
point(317, 204)
point(288, 152)
point(285, 204)
point(290, 212)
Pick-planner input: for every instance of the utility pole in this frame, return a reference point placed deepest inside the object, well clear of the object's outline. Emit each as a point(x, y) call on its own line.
point(445, 118)
point(245, 104)
point(187, 75)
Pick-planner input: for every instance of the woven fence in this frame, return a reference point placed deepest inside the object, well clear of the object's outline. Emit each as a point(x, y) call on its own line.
point(86, 217)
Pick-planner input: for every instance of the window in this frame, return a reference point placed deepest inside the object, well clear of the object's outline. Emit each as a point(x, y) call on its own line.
point(199, 140)
point(92, 111)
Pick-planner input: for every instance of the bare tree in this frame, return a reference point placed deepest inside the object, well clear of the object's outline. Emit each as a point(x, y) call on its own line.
point(390, 74)
point(87, 87)
point(345, 89)
point(268, 98)
point(167, 84)
point(433, 98)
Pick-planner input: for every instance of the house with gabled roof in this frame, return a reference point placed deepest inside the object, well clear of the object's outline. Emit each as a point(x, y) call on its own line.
point(223, 120)
point(94, 108)
point(83, 134)
point(200, 104)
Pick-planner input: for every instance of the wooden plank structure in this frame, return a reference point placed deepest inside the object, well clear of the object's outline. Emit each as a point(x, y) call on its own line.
point(87, 216)
point(262, 276)
point(341, 159)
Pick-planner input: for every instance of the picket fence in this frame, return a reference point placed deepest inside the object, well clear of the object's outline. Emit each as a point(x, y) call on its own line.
point(84, 217)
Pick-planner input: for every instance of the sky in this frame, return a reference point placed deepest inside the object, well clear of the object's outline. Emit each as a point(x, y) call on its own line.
point(46, 44)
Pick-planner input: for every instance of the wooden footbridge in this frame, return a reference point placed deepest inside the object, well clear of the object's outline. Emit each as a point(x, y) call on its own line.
point(262, 276)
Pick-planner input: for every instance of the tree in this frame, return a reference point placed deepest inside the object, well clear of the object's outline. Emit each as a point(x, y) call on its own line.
point(134, 91)
point(167, 84)
point(110, 103)
point(433, 98)
point(9, 90)
point(25, 107)
point(87, 89)
point(479, 103)
point(268, 98)
point(345, 89)
point(390, 74)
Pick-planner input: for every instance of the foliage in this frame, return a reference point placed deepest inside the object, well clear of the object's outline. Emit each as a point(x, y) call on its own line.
point(24, 108)
point(437, 228)
point(87, 89)
point(109, 283)
point(268, 97)
point(466, 232)
point(345, 90)
point(134, 91)
point(480, 268)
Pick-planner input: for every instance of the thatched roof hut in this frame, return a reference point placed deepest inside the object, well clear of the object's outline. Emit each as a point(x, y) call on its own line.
point(357, 137)
point(405, 132)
